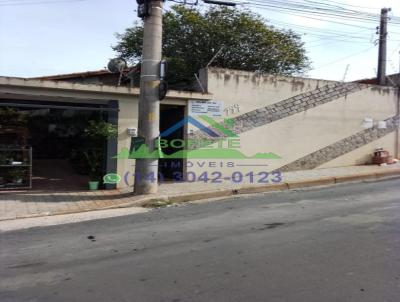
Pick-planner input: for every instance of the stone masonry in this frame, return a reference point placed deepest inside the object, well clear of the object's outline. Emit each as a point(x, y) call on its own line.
point(293, 105)
point(286, 108)
point(341, 147)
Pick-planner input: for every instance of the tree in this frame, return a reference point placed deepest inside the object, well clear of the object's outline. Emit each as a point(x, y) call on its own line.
point(191, 38)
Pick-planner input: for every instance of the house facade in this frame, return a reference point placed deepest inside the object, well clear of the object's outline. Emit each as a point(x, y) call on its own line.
point(247, 124)
point(309, 123)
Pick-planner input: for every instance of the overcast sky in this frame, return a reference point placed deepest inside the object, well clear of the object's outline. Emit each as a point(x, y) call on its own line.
point(63, 36)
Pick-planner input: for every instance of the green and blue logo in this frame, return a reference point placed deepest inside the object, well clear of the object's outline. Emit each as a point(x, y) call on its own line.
point(221, 142)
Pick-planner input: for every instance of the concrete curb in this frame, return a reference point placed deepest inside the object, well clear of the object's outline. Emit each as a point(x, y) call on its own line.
point(164, 200)
point(355, 177)
point(324, 181)
point(292, 185)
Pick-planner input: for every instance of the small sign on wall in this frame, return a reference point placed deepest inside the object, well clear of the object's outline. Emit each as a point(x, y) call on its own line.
point(209, 108)
point(368, 123)
point(382, 125)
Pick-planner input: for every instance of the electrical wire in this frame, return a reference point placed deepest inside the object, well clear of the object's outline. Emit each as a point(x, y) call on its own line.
point(396, 49)
point(345, 4)
point(344, 58)
point(317, 9)
point(362, 36)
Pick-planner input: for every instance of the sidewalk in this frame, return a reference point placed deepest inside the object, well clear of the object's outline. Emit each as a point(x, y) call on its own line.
point(23, 204)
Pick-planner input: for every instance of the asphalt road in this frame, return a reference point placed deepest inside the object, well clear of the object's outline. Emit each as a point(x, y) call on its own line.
point(333, 244)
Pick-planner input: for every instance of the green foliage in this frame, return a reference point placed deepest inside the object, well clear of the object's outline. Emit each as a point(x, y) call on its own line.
point(13, 117)
point(94, 159)
point(100, 130)
point(96, 134)
point(192, 37)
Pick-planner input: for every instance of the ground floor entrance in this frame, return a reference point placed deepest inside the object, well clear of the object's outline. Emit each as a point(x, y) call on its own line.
point(170, 116)
point(54, 146)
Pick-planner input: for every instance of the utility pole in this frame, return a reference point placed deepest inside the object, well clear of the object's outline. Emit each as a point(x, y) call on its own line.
point(398, 75)
point(383, 33)
point(146, 170)
point(152, 88)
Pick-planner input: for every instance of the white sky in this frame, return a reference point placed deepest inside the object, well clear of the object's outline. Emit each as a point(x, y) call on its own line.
point(45, 39)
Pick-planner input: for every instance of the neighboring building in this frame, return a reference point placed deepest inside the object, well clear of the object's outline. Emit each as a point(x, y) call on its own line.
point(392, 80)
point(308, 123)
point(98, 77)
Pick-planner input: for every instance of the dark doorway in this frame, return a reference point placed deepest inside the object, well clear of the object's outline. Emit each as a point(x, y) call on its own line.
point(171, 169)
point(56, 137)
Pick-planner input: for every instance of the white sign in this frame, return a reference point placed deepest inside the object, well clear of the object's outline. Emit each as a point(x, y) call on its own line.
point(382, 125)
point(368, 123)
point(209, 108)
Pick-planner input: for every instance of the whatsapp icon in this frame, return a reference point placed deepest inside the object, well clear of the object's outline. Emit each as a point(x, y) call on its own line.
point(111, 178)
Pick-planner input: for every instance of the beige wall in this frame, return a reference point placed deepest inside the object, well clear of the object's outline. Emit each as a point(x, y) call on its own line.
point(128, 117)
point(362, 155)
point(252, 91)
point(292, 137)
point(299, 135)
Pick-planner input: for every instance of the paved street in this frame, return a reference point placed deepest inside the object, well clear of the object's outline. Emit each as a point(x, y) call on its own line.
point(333, 244)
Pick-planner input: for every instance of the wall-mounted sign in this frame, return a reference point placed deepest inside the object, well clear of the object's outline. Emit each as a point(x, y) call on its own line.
point(382, 125)
point(209, 108)
point(368, 123)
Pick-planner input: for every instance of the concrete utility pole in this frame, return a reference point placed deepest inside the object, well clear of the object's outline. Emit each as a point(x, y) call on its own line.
point(151, 90)
point(146, 170)
point(383, 33)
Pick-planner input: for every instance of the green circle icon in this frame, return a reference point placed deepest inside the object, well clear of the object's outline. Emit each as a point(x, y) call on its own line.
point(112, 178)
